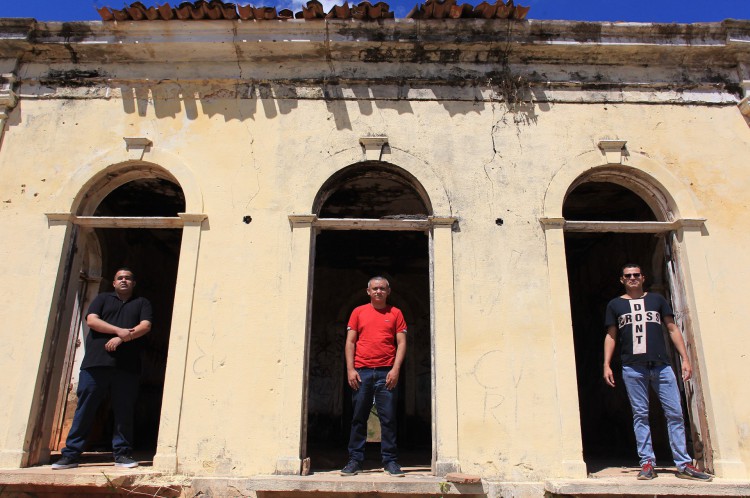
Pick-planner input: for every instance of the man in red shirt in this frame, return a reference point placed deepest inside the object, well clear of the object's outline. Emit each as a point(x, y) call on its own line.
point(375, 349)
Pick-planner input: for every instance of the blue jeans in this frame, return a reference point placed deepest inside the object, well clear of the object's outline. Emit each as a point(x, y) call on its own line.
point(373, 386)
point(637, 378)
point(93, 386)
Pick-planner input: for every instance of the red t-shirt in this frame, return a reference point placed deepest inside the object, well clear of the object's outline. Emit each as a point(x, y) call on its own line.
point(376, 335)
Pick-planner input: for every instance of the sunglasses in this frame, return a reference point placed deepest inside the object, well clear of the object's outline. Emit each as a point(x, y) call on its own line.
point(631, 275)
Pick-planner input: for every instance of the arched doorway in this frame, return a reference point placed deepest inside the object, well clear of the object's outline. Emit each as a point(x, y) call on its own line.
point(128, 217)
point(609, 222)
point(362, 211)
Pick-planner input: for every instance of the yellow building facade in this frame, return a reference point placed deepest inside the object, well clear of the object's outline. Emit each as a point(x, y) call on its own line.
point(256, 174)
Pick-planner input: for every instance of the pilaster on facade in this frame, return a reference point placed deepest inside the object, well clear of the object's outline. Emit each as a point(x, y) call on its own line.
point(445, 387)
point(289, 459)
point(571, 448)
point(166, 458)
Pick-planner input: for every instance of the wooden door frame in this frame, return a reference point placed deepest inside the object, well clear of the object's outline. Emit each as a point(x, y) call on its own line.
point(668, 229)
point(291, 460)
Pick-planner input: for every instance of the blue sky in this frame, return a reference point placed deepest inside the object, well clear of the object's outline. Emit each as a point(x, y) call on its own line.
point(682, 11)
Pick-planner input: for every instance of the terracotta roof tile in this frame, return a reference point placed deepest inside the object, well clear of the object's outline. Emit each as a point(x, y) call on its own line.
point(365, 11)
point(433, 9)
point(105, 14)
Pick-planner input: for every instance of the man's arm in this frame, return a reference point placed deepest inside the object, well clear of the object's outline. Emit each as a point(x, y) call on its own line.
point(676, 337)
point(128, 335)
point(609, 349)
point(99, 325)
point(349, 348)
point(391, 380)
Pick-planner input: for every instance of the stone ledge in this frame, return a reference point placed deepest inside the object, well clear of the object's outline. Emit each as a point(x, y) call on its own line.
point(663, 485)
point(98, 479)
point(335, 484)
point(86, 479)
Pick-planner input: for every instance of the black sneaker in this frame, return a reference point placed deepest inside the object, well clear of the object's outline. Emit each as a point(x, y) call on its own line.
point(647, 472)
point(690, 472)
point(125, 461)
point(65, 462)
point(350, 469)
point(393, 469)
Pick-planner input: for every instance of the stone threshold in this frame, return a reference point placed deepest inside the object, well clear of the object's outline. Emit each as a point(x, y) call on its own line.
point(107, 478)
point(664, 485)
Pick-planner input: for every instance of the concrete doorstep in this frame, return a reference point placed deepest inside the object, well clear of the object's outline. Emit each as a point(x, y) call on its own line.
point(105, 479)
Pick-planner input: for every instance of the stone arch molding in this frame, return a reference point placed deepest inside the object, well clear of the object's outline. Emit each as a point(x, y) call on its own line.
point(667, 196)
point(95, 180)
point(420, 170)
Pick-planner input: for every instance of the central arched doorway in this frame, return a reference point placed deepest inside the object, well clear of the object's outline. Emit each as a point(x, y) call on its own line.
point(347, 253)
point(608, 222)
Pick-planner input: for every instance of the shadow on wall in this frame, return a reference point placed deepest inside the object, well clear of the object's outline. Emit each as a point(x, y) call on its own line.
point(245, 101)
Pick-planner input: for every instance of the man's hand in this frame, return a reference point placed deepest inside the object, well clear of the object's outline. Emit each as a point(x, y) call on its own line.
point(609, 377)
point(113, 343)
point(687, 370)
point(676, 336)
point(609, 349)
point(391, 379)
point(353, 378)
point(124, 333)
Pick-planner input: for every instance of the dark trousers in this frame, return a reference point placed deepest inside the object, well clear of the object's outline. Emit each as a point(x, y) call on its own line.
point(373, 386)
point(93, 386)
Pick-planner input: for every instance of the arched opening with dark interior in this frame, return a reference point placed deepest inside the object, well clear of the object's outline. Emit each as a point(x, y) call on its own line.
point(372, 190)
point(153, 254)
point(594, 260)
point(344, 261)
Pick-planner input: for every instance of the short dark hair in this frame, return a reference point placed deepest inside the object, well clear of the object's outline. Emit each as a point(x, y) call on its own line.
point(378, 277)
point(631, 265)
point(124, 268)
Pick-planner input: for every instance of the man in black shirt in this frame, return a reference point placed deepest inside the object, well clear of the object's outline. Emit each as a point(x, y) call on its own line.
point(638, 317)
point(111, 365)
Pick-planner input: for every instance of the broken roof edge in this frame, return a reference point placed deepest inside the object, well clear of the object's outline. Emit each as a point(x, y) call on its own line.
point(311, 11)
point(599, 43)
point(530, 31)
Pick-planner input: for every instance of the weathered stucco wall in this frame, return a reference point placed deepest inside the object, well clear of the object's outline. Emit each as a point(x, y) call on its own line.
point(478, 161)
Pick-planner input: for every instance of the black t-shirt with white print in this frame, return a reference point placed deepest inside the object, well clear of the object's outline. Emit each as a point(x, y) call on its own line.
point(639, 326)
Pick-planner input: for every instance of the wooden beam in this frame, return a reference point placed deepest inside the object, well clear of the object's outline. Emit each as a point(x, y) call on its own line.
point(621, 226)
point(371, 224)
point(128, 222)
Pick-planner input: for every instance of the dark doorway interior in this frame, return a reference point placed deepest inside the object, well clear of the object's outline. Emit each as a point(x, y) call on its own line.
point(153, 255)
point(593, 263)
point(344, 262)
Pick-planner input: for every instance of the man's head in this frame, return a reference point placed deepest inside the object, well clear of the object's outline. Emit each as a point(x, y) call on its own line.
point(378, 289)
point(124, 281)
point(632, 277)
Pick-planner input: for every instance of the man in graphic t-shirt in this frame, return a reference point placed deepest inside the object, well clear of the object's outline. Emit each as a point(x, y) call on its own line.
point(637, 317)
point(374, 350)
